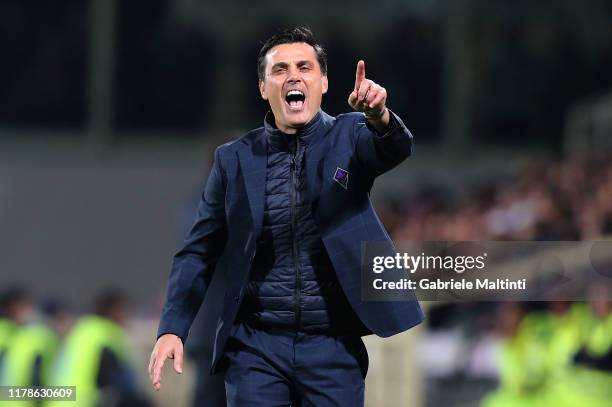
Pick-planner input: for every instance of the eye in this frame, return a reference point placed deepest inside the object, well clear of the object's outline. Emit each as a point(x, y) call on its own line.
point(278, 70)
point(304, 68)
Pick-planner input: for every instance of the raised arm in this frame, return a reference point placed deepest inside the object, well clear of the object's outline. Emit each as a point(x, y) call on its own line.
point(383, 141)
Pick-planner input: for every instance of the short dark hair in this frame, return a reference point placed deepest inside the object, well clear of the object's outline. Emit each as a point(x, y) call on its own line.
point(109, 299)
point(12, 296)
point(290, 36)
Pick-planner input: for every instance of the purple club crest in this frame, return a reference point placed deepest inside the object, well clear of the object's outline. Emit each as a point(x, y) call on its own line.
point(341, 177)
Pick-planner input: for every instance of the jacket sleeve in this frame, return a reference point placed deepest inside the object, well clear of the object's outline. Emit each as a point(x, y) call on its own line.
point(194, 264)
point(381, 152)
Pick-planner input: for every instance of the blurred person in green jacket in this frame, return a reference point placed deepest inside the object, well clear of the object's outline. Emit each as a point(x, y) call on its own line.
point(521, 357)
point(585, 379)
point(30, 356)
point(96, 358)
point(16, 308)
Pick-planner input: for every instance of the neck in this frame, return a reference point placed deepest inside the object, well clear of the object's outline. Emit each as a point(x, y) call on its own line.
point(272, 125)
point(285, 129)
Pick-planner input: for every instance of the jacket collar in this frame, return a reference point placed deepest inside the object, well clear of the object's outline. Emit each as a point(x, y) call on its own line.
point(279, 140)
point(253, 159)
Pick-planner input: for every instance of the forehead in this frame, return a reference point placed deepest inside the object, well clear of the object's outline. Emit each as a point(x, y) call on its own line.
point(297, 51)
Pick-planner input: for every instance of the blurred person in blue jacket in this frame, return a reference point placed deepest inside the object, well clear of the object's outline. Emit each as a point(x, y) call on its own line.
point(287, 205)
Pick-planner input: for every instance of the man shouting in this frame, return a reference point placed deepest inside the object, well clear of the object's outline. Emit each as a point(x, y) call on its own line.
point(288, 205)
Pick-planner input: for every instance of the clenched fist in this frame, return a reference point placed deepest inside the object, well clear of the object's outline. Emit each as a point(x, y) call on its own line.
point(370, 98)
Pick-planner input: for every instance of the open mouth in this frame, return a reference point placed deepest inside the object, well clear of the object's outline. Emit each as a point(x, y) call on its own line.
point(295, 99)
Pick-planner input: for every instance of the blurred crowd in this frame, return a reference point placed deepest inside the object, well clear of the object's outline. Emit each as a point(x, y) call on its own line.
point(517, 354)
point(48, 345)
point(563, 200)
point(559, 356)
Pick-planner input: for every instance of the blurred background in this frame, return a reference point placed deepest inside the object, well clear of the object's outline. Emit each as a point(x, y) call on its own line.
point(109, 114)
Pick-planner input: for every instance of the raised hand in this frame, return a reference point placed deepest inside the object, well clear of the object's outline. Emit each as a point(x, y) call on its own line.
point(368, 97)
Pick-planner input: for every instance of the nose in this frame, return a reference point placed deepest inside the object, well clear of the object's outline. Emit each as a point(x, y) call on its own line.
point(294, 75)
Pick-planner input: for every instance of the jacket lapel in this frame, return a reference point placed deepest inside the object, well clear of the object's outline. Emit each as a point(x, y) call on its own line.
point(253, 166)
point(315, 160)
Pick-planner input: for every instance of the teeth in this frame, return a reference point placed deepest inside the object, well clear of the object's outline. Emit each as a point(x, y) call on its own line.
point(295, 92)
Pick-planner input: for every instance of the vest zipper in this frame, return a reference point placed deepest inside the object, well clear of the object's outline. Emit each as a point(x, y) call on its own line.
point(296, 259)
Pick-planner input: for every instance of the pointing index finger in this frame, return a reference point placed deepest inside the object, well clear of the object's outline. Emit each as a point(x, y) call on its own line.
point(360, 74)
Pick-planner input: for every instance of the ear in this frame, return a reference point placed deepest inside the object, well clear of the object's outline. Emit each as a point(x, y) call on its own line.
point(262, 90)
point(324, 84)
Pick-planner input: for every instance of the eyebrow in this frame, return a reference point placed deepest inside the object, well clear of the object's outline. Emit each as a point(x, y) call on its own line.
point(285, 64)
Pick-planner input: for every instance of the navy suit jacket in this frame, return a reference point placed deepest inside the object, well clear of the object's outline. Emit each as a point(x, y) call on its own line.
point(230, 214)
